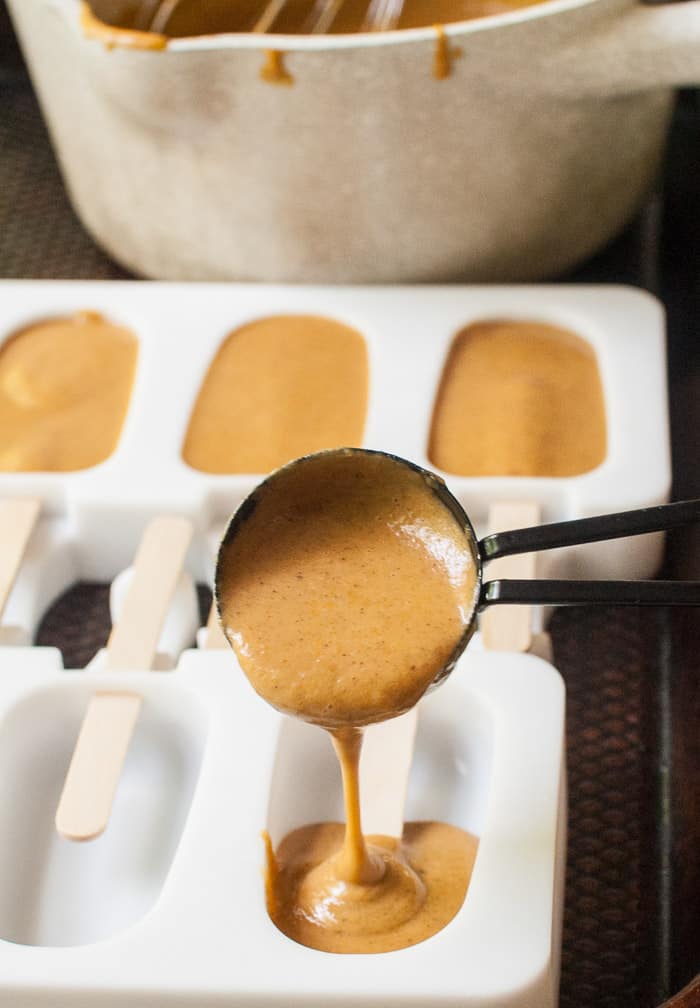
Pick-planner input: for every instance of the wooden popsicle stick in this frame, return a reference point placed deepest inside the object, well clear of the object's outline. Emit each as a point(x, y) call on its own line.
point(86, 803)
point(387, 754)
point(91, 782)
point(18, 517)
point(156, 570)
point(509, 628)
point(215, 639)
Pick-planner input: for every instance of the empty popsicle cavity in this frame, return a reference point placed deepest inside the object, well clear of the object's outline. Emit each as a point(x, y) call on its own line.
point(59, 893)
point(85, 804)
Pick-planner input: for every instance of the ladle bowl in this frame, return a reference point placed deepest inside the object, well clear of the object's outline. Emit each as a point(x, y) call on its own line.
point(491, 547)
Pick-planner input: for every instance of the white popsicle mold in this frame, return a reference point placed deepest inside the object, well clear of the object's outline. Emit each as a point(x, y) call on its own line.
point(48, 568)
point(408, 332)
point(167, 907)
point(52, 563)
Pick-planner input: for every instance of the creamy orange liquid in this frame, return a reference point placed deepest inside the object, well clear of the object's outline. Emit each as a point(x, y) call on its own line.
point(278, 388)
point(211, 17)
point(519, 399)
point(332, 889)
point(347, 589)
point(310, 901)
point(64, 390)
point(344, 592)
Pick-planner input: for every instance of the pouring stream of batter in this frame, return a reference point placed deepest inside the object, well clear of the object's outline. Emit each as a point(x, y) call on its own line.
point(345, 586)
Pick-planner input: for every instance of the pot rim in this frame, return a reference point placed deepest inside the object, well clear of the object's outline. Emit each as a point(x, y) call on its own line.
point(300, 43)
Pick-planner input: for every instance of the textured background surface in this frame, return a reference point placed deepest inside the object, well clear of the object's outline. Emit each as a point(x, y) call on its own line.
point(632, 923)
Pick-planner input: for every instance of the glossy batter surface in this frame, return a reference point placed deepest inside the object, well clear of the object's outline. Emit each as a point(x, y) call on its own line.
point(425, 882)
point(347, 589)
point(65, 385)
point(519, 399)
point(211, 17)
point(278, 388)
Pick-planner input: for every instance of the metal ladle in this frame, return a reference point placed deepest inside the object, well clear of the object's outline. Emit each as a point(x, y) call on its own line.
point(526, 540)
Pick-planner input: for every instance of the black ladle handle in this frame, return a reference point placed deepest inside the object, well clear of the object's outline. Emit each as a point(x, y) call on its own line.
point(558, 593)
point(585, 530)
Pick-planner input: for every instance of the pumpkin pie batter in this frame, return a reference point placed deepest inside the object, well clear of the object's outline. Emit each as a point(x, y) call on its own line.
point(519, 399)
point(65, 385)
point(345, 587)
point(188, 18)
point(279, 387)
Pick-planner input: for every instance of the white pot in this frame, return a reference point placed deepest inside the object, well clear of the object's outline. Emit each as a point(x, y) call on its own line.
point(185, 164)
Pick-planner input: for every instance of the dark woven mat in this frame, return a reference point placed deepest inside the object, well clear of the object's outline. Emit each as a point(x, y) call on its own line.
point(610, 953)
point(40, 236)
point(631, 924)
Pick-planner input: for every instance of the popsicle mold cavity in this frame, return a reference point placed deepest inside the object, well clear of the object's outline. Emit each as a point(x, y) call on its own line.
point(59, 893)
point(65, 384)
point(278, 388)
point(518, 398)
point(408, 333)
point(427, 867)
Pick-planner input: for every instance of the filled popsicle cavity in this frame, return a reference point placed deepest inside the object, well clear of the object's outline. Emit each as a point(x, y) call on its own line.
point(65, 385)
point(428, 870)
point(518, 398)
point(278, 388)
